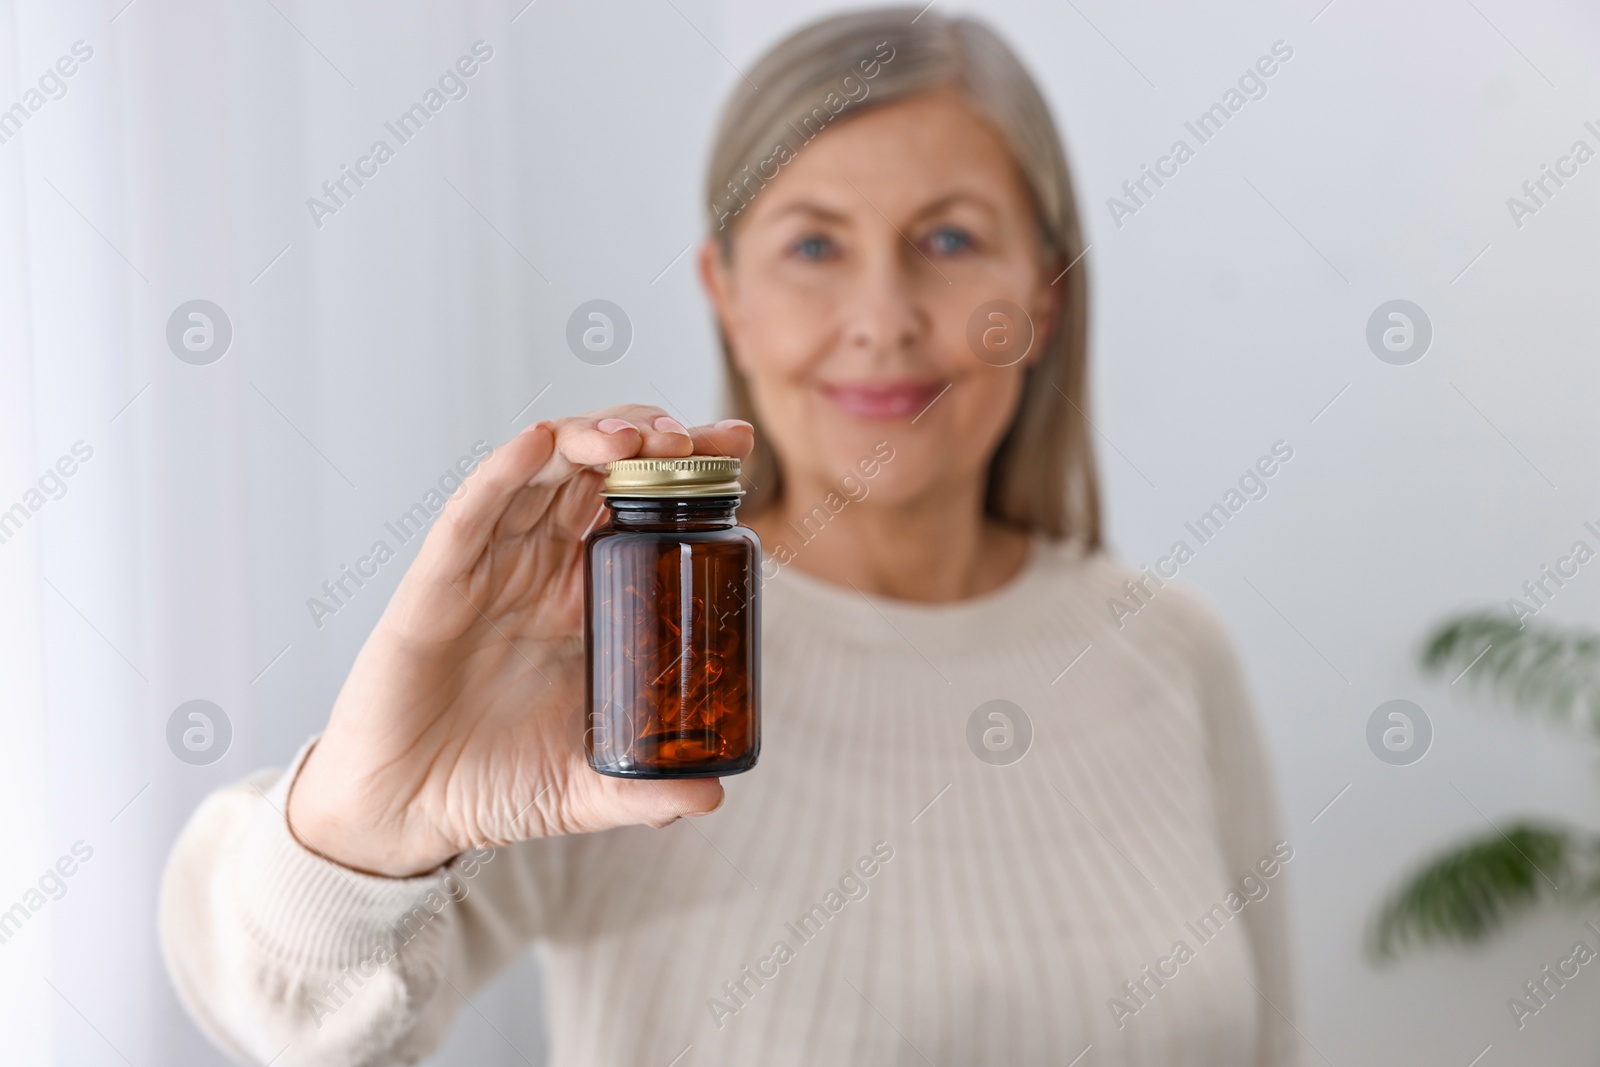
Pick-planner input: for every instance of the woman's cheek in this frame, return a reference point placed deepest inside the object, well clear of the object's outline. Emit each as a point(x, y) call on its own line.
point(780, 334)
point(981, 405)
point(1002, 393)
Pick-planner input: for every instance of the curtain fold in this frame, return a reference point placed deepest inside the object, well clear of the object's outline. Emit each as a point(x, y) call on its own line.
point(212, 483)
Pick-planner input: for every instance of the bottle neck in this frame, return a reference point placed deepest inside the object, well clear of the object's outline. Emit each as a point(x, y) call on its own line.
point(672, 513)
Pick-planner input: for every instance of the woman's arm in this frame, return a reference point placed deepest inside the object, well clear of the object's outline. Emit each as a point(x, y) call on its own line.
point(1249, 829)
point(340, 908)
point(272, 946)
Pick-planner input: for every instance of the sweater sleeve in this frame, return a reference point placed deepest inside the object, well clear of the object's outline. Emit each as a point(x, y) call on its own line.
point(1249, 830)
point(272, 947)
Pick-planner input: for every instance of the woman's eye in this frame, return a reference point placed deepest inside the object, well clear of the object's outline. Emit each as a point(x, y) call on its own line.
point(813, 248)
point(949, 240)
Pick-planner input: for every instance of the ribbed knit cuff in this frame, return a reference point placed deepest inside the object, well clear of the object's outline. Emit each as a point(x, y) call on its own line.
point(308, 911)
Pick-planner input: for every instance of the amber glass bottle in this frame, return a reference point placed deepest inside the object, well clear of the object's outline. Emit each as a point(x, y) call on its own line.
point(673, 623)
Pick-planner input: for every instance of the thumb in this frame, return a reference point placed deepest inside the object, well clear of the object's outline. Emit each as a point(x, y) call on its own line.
point(654, 802)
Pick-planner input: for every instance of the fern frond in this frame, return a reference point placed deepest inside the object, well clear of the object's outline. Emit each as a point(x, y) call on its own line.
point(1553, 669)
point(1468, 892)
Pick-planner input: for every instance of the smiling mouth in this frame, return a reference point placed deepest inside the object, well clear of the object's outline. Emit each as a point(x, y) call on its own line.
point(885, 400)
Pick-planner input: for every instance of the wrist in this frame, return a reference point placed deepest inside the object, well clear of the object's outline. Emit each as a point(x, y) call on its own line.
point(322, 822)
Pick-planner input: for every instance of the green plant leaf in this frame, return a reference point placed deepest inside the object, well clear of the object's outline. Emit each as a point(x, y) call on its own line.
point(1535, 667)
point(1470, 891)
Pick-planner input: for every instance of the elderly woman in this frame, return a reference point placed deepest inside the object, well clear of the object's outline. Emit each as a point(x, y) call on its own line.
point(994, 821)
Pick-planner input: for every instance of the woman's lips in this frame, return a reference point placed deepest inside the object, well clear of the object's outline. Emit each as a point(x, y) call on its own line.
point(884, 400)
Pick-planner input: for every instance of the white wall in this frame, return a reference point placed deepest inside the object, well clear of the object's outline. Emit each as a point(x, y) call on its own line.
point(1228, 312)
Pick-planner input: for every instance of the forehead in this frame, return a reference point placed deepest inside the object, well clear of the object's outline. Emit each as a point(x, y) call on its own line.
point(902, 155)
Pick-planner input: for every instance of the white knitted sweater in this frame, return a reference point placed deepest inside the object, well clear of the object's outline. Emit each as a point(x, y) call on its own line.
point(873, 892)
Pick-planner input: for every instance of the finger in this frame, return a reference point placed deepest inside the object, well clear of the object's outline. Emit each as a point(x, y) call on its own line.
point(471, 513)
point(565, 512)
point(582, 441)
point(620, 433)
point(626, 801)
point(550, 453)
point(660, 803)
point(730, 437)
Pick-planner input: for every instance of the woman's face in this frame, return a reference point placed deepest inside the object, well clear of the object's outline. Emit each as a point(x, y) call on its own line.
point(853, 277)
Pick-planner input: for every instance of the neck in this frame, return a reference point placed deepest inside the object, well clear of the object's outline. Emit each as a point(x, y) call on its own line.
point(933, 549)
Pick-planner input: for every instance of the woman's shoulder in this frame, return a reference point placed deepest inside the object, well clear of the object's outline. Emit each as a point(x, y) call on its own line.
point(1134, 601)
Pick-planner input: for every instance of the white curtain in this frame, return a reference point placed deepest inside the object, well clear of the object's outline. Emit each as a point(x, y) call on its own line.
point(176, 562)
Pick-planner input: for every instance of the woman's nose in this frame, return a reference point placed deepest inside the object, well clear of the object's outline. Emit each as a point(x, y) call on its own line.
point(885, 312)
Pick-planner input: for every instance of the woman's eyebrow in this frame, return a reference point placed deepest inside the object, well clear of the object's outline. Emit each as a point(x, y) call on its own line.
point(808, 207)
point(828, 214)
point(982, 203)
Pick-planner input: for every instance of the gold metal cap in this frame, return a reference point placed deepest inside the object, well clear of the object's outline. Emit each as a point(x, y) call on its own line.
point(692, 476)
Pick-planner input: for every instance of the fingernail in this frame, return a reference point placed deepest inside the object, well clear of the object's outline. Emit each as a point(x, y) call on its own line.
point(697, 814)
point(613, 425)
point(668, 424)
point(734, 424)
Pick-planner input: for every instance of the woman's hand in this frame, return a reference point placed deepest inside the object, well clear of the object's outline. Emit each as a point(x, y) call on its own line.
point(461, 721)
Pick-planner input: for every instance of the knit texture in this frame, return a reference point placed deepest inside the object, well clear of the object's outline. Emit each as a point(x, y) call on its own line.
point(874, 892)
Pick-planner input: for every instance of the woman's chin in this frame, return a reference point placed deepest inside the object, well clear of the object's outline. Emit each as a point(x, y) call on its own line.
point(895, 484)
